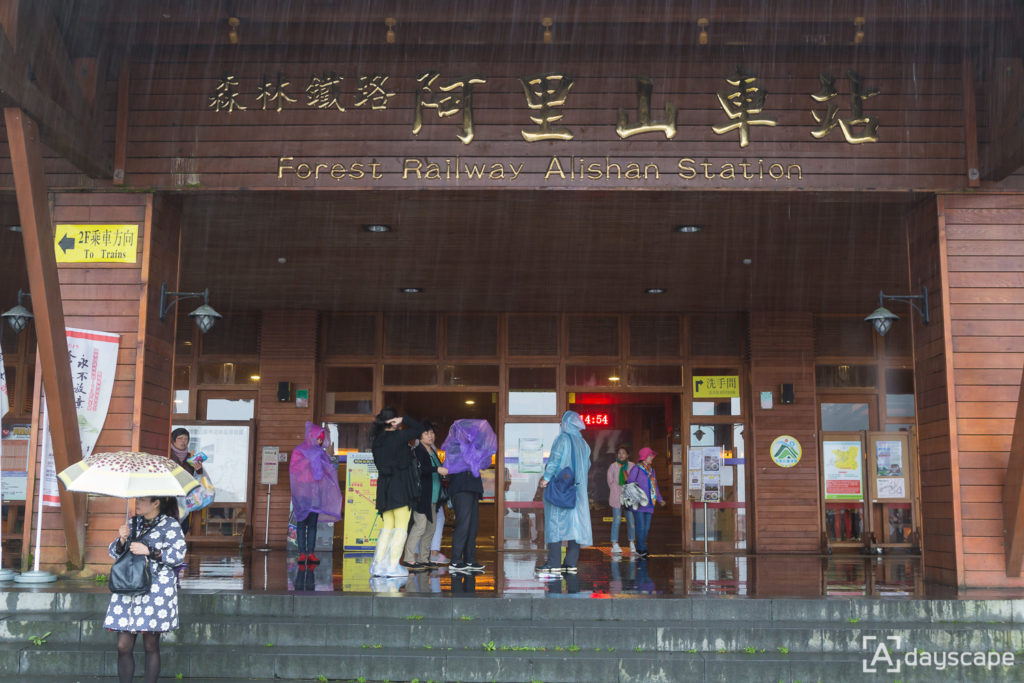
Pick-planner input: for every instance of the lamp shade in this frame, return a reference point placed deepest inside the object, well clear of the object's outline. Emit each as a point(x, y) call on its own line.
point(882, 319)
point(205, 317)
point(18, 318)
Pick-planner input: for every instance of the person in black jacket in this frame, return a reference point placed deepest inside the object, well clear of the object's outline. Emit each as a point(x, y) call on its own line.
point(466, 490)
point(424, 512)
point(397, 487)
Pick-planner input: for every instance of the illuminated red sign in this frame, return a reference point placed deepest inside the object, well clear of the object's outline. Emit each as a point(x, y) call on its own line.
point(596, 419)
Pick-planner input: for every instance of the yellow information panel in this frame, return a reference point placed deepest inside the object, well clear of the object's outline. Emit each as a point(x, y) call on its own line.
point(92, 243)
point(716, 386)
point(361, 523)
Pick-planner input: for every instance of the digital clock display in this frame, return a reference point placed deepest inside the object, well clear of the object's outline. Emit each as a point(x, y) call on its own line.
point(596, 419)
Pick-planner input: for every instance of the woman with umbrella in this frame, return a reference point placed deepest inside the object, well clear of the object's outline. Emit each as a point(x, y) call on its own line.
point(153, 532)
point(468, 449)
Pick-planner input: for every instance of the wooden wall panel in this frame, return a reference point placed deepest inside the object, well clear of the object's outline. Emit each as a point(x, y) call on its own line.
point(288, 342)
point(788, 506)
point(175, 140)
point(984, 237)
point(120, 286)
point(940, 516)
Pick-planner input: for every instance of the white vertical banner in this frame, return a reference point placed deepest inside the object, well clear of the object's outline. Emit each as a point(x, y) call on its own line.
point(93, 358)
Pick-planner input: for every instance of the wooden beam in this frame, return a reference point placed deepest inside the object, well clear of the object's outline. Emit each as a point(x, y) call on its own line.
point(41, 263)
point(121, 126)
point(1003, 154)
point(1013, 496)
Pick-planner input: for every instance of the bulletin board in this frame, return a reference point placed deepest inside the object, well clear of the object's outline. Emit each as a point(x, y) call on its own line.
point(228, 447)
point(889, 467)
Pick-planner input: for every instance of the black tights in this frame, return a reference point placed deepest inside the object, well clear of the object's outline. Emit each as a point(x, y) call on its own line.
point(126, 656)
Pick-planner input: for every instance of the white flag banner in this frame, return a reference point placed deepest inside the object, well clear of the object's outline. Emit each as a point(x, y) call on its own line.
point(5, 403)
point(93, 358)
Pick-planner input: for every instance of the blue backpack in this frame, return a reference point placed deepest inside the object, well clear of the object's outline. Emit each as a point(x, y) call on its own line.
point(561, 491)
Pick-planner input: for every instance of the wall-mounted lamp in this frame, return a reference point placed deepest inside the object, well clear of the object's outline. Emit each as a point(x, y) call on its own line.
point(547, 23)
point(389, 35)
point(882, 318)
point(204, 316)
point(18, 317)
point(702, 24)
point(858, 34)
point(233, 24)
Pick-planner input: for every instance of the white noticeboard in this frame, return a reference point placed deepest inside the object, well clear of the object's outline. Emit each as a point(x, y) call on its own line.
point(268, 465)
point(227, 458)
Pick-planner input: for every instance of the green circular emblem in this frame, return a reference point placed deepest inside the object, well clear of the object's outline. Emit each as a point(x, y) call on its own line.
point(786, 451)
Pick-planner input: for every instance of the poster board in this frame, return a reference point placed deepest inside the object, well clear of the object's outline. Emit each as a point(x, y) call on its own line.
point(228, 448)
point(888, 458)
point(14, 462)
point(361, 523)
point(842, 471)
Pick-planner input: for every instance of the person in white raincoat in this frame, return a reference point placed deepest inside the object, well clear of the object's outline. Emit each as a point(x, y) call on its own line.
point(567, 524)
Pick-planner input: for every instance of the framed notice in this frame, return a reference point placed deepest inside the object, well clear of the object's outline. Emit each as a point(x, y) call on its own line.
point(889, 464)
point(228, 449)
point(842, 455)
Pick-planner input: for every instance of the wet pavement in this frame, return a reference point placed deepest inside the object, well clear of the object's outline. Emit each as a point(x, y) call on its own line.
point(601, 574)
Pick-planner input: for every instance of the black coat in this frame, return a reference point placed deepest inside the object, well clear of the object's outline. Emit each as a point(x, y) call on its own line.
point(396, 472)
point(465, 482)
point(427, 471)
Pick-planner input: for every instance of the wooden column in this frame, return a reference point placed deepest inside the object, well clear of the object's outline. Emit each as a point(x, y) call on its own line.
point(1013, 496)
point(37, 233)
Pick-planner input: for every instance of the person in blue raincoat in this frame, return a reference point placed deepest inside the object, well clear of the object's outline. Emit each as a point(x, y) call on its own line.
point(567, 524)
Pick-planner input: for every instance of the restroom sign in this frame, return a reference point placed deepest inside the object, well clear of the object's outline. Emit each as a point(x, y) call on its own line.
point(716, 386)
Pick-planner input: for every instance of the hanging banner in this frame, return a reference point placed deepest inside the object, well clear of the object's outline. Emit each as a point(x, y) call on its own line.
point(93, 359)
point(361, 522)
point(4, 402)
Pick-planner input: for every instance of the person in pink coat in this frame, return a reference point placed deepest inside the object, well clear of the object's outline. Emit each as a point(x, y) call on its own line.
point(617, 474)
point(643, 476)
point(315, 490)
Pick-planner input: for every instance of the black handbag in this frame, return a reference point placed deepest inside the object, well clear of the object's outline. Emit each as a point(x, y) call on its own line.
point(130, 575)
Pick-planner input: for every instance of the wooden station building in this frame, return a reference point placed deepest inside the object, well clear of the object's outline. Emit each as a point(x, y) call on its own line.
point(670, 217)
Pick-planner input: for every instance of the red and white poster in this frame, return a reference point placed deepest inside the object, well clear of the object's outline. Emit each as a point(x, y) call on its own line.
point(93, 358)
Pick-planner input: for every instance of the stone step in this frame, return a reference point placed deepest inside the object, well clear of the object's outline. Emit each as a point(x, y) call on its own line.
point(95, 599)
point(421, 633)
point(87, 664)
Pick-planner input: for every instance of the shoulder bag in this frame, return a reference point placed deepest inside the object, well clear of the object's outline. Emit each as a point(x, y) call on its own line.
point(561, 491)
point(129, 575)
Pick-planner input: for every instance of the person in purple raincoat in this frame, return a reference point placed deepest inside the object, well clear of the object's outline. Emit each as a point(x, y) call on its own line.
point(315, 490)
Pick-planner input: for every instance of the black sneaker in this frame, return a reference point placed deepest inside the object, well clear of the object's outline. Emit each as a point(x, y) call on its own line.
point(566, 569)
point(475, 567)
point(548, 569)
point(456, 567)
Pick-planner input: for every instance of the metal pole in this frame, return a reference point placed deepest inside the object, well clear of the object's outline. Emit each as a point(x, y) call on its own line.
point(36, 576)
point(705, 527)
point(266, 531)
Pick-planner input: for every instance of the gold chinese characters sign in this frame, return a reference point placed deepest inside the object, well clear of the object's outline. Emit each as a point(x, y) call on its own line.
point(547, 98)
point(73, 243)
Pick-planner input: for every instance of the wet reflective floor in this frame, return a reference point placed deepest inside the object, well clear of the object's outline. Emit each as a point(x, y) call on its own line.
point(600, 575)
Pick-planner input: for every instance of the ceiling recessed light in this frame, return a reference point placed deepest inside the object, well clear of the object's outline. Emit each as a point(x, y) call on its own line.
point(282, 260)
point(470, 402)
point(688, 228)
point(377, 227)
point(254, 378)
point(655, 290)
point(410, 290)
point(188, 343)
point(747, 261)
point(613, 378)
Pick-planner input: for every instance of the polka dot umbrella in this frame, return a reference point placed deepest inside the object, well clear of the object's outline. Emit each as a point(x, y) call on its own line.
point(127, 474)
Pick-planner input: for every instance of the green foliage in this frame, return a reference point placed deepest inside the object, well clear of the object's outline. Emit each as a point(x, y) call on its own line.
point(692, 650)
point(853, 620)
point(268, 644)
point(750, 650)
point(783, 650)
point(639, 649)
point(466, 617)
point(100, 578)
point(489, 646)
point(39, 640)
point(574, 648)
point(179, 675)
point(321, 678)
point(415, 617)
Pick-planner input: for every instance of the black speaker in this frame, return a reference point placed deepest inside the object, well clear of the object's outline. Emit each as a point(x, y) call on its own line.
point(786, 393)
point(284, 391)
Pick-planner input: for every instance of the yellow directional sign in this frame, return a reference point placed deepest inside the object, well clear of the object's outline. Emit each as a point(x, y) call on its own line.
point(96, 243)
point(716, 386)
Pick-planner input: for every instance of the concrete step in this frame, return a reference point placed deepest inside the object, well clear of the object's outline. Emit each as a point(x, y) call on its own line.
point(227, 665)
point(421, 632)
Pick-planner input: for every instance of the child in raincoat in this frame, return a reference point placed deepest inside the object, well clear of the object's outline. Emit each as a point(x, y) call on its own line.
point(567, 524)
point(315, 490)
